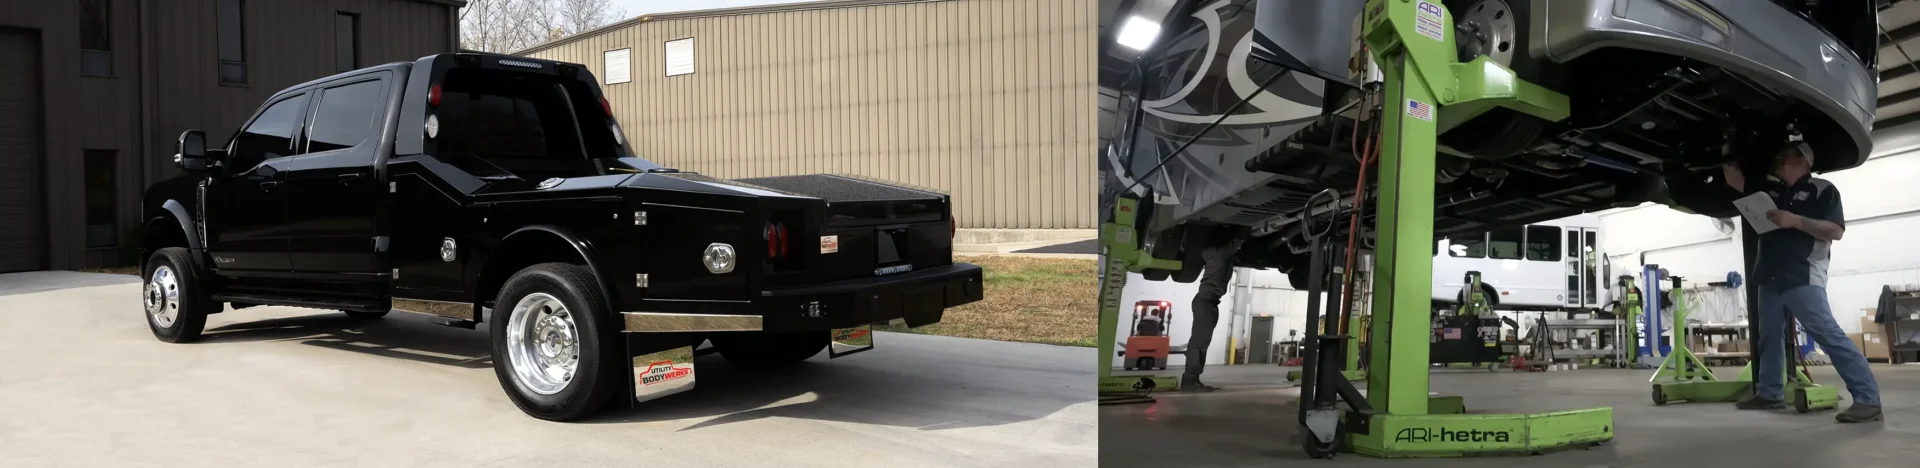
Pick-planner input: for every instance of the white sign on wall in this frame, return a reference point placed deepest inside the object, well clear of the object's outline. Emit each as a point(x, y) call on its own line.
point(680, 57)
point(619, 66)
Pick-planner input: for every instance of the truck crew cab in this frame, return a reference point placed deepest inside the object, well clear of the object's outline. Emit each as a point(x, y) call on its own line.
point(480, 187)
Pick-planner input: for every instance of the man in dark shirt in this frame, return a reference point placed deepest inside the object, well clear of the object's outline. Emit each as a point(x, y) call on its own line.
point(1791, 277)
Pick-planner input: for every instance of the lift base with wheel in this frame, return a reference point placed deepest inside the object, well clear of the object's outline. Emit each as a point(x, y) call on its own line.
point(1427, 90)
point(1804, 395)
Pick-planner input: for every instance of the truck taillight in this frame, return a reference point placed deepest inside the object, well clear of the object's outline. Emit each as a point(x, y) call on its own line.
point(776, 235)
point(953, 228)
point(605, 107)
point(433, 95)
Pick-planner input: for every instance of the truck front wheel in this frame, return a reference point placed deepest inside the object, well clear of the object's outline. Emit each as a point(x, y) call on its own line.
point(556, 350)
point(174, 299)
point(769, 350)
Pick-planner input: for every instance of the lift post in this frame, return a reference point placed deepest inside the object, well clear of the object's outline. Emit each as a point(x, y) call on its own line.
point(1429, 90)
point(1123, 254)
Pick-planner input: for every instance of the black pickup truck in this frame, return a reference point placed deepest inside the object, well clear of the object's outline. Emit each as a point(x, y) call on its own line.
point(479, 187)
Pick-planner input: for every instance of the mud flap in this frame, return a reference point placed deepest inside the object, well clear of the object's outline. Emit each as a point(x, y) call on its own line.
point(850, 340)
point(662, 373)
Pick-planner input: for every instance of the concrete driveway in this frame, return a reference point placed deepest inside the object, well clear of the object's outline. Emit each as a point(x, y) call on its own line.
point(85, 384)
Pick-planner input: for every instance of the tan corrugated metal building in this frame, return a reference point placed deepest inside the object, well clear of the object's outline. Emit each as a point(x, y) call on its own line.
point(989, 100)
point(94, 93)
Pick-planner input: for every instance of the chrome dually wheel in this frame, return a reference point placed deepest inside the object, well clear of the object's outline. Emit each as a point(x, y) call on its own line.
point(162, 296)
point(173, 300)
point(543, 344)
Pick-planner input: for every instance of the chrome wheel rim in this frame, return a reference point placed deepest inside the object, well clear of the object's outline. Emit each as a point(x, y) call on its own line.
point(162, 297)
point(1487, 28)
point(543, 345)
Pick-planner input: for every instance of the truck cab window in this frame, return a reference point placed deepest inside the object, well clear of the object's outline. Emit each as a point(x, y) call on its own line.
point(271, 135)
point(346, 116)
point(527, 125)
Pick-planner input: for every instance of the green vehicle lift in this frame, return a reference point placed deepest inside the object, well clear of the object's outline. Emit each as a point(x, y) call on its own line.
point(1429, 91)
point(1689, 380)
point(1124, 252)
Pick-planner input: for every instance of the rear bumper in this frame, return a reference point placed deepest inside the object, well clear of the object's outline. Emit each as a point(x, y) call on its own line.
point(919, 298)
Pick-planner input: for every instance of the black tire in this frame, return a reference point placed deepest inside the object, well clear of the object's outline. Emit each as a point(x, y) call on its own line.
point(1503, 132)
point(357, 315)
point(1800, 402)
point(1193, 260)
point(1145, 363)
point(191, 304)
point(1659, 398)
point(1155, 274)
point(602, 370)
point(770, 350)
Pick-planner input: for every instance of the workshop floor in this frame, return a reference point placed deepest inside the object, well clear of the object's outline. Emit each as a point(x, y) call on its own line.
point(1251, 422)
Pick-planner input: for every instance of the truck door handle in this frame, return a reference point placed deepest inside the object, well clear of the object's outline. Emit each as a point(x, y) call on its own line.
point(269, 185)
point(349, 179)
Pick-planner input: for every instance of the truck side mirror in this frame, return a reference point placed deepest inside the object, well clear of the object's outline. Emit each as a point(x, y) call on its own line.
point(190, 152)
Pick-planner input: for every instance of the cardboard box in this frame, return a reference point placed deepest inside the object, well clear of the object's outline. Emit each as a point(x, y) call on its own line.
point(1876, 346)
point(1727, 347)
point(1859, 342)
point(1867, 325)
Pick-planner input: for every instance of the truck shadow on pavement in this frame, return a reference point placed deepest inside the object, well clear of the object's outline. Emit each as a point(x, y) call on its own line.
point(913, 386)
point(397, 336)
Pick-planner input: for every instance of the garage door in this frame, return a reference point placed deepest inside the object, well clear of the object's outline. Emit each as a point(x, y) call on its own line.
point(23, 240)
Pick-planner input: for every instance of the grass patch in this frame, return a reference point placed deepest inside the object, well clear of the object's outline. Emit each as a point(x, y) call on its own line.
point(1033, 300)
point(125, 270)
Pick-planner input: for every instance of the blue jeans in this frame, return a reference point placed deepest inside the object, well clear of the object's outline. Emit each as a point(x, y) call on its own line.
point(1808, 304)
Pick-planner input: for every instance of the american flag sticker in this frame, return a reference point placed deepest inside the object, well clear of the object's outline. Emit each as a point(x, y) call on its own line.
point(1420, 110)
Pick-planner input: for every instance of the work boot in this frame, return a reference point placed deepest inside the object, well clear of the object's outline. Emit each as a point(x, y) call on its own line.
point(1859, 413)
point(1191, 384)
point(1755, 402)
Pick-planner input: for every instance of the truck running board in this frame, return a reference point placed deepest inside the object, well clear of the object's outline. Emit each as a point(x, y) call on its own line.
point(303, 303)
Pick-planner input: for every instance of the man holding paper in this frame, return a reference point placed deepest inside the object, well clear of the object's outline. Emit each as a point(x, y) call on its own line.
point(1798, 217)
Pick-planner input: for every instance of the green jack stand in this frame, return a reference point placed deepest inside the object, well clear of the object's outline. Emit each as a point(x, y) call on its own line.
point(1805, 395)
point(1681, 364)
point(1123, 253)
point(1429, 91)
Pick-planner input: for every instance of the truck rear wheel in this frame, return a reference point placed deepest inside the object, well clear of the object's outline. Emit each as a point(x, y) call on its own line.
point(175, 301)
point(556, 350)
point(769, 350)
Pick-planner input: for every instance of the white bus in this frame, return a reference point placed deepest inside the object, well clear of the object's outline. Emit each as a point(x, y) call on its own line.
point(1541, 266)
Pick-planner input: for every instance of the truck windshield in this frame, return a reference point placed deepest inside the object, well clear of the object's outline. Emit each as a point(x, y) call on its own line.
point(533, 126)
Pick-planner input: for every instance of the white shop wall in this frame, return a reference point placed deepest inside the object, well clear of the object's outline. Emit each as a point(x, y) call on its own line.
point(1268, 294)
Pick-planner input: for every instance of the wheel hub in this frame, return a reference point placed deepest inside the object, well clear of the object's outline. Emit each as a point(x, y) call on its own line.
point(161, 297)
point(542, 344)
point(1486, 27)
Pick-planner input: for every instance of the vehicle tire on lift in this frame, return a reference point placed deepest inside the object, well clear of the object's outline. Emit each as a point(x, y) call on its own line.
point(1659, 397)
point(1193, 259)
point(174, 299)
point(1318, 450)
point(1155, 274)
point(1501, 132)
point(549, 318)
